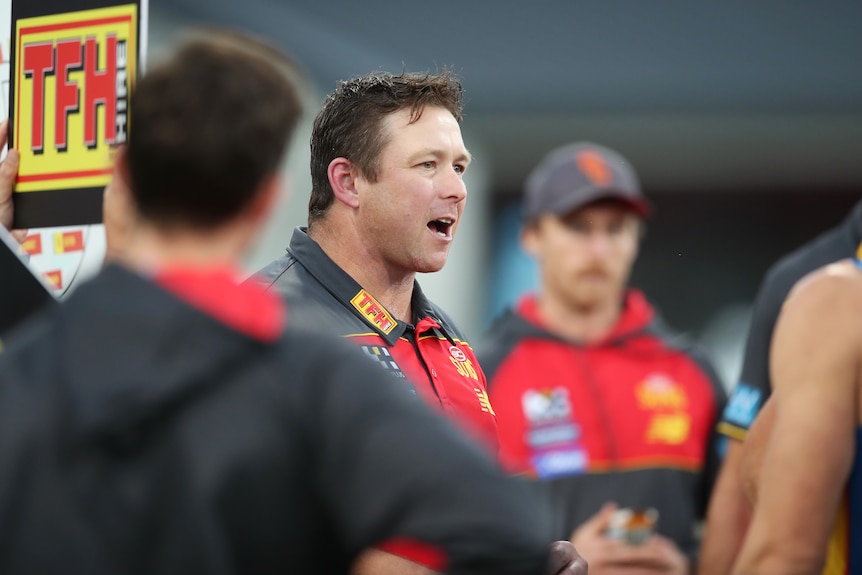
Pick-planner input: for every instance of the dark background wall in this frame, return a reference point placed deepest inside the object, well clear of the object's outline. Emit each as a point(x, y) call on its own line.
point(743, 120)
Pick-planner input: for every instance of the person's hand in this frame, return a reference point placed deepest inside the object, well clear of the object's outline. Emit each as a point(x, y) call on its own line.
point(8, 175)
point(609, 556)
point(118, 210)
point(565, 560)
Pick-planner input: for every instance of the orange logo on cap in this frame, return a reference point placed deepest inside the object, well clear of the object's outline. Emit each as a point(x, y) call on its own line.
point(594, 166)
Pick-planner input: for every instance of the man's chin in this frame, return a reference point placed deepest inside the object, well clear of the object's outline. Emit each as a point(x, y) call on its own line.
point(591, 298)
point(430, 264)
point(428, 268)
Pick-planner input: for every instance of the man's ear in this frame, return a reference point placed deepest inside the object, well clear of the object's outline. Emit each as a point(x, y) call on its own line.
point(342, 178)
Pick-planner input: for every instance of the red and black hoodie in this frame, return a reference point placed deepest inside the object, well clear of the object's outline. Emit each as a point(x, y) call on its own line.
point(629, 418)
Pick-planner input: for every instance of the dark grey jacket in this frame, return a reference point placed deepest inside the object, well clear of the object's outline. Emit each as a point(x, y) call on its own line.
point(140, 435)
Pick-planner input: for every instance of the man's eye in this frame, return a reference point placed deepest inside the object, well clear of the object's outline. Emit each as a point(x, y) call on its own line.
point(428, 165)
point(616, 228)
point(459, 168)
point(578, 226)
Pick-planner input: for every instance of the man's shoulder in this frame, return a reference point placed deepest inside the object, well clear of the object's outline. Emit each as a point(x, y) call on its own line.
point(279, 274)
point(825, 305)
point(834, 288)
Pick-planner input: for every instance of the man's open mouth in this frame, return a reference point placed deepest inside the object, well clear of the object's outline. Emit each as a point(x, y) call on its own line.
point(442, 227)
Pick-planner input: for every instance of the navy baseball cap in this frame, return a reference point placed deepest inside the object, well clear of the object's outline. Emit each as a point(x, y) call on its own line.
point(578, 174)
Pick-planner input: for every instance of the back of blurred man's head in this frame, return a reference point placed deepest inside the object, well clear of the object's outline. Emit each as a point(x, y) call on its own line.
point(209, 126)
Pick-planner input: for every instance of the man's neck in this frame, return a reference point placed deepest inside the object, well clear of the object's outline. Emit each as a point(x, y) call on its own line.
point(150, 248)
point(586, 324)
point(393, 288)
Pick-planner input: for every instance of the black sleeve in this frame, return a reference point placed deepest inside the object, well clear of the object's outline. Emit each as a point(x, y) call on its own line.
point(389, 468)
point(754, 386)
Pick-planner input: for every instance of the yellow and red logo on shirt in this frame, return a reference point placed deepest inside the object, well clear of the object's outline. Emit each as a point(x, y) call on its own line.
point(484, 401)
point(669, 428)
point(371, 309)
point(74, 73)
point(65, 242)
point(658, 391)
point(465, 368)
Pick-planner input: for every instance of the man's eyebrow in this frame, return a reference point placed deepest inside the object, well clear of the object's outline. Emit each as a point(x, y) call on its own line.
point(466, 157)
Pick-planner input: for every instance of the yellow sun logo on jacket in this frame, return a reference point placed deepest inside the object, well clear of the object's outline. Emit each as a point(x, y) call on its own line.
point(484, 401)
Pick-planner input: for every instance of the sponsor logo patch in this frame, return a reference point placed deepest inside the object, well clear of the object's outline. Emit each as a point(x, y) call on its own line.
point(560, 462)
point(545, 405)
point(457, 353)
point(540, 437)
point(383, 357)
point(658, 391)
point(484, 402)
point(373, 312)
point(669, 428)
point(743, 405)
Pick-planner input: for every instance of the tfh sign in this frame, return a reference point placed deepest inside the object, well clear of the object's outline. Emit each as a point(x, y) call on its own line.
point(73, 76)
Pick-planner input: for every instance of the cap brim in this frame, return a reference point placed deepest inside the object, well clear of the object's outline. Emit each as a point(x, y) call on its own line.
point(638, 204)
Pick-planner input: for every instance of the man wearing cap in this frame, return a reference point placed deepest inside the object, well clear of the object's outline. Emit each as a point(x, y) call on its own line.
point(595, 398)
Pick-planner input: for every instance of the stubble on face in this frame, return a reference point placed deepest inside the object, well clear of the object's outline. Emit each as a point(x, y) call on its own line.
point(586, 257)
point(410, 214)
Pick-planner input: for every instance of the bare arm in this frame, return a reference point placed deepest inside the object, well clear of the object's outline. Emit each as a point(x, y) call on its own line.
point(809, 452)
point(753, 451)
point(727, 518)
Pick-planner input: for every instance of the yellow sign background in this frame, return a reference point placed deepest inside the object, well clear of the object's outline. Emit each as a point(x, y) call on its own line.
point(53, 169)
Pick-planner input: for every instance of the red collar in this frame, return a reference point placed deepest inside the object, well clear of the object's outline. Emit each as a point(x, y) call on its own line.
point(219, 292)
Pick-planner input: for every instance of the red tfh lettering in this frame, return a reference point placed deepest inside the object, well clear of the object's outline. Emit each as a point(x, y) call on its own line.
point(68, 59)
point(38, 63)
point(100, 88)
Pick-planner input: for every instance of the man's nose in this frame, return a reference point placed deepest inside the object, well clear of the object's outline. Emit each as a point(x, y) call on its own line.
point(453, 186)
point(600, 243)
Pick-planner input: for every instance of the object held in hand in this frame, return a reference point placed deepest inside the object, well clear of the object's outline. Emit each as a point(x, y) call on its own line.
point(632, 525)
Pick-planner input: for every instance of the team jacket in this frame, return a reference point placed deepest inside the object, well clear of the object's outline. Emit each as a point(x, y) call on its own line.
point(755, 386)
point(431, 354)
point(140, 434)
point(629, 419)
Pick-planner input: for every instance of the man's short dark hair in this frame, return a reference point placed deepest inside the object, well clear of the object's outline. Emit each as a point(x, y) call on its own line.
point(208, 127)
point(350, 125)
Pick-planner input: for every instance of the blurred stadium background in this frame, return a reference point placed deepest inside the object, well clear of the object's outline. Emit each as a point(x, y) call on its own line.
point(744, 121)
